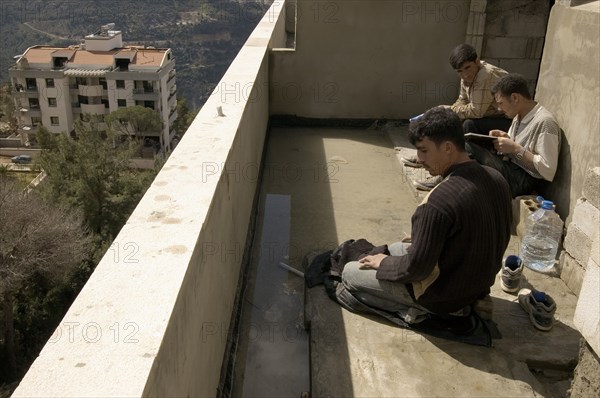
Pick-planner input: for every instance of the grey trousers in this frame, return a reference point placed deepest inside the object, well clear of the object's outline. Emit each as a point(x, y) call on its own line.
point(385, 295)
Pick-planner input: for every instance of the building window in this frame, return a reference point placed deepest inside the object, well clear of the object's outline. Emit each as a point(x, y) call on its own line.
point(81, 81)
point(36, 120)
point(34, 103)
point(103, 83)
point(30, 83)
point(50, 83)
point(149, 104)
point(120, 83)
point(121, 103)
point(148, 86)
point(105, 102)
point(51, 101)
point(54, 120)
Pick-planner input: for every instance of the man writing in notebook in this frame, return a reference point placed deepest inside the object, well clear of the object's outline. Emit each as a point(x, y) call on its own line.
point(528, 152)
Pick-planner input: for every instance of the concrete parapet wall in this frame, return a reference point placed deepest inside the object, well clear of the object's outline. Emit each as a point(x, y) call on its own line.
point(153, 318)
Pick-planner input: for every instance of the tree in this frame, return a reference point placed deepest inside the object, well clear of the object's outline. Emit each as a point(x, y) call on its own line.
point(92, 173)
point(185, 117)
point(7, 107)
point(36, 239)
point(134, 121)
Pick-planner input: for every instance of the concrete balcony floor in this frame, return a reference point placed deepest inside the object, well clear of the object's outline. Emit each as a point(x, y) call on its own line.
point(322, 186)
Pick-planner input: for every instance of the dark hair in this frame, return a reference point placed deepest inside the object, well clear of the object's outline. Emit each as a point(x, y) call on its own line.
point(439, 124)
point(512, 83)
point(461, 54)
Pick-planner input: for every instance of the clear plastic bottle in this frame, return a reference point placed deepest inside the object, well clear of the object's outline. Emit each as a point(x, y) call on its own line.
point(543, 234)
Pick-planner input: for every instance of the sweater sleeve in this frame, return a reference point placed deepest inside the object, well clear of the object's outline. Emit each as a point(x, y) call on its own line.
point(429, 232)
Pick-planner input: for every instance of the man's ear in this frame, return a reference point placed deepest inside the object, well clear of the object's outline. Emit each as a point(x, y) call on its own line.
point(514, 97)
point(448, 146)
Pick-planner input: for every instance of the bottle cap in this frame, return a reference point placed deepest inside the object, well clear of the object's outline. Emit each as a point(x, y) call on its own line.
point(547, 205)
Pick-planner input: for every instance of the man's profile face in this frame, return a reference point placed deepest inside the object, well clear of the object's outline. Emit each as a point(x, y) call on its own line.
point(433, 157)
point(468, 70)
point(506, 105)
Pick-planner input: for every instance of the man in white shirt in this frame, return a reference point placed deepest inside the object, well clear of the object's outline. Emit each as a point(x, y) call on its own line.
point(528, 152)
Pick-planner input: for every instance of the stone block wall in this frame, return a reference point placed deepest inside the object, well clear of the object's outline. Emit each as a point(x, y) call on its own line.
point(582, 232)
point(581, 269)
point(514, 36)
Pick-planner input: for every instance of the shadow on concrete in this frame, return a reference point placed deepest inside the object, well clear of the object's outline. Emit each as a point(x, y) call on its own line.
point(301, 164)
point(521, 349)
point(559, 190)
point(342, 183)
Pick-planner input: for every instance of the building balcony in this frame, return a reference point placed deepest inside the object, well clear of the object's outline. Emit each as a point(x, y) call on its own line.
point(26, 128)
point(172, 116)
point(26, 94)
point(93, 109)
point(141, 94)
point(90, 91)
point(32, 112)
point(246, 187)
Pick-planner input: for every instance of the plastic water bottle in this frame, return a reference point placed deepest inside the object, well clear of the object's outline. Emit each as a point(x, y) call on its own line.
point(540, 244)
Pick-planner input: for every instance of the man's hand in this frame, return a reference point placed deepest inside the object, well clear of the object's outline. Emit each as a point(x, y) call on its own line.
point(498, 133)
point(371, 262)
point(506, 145)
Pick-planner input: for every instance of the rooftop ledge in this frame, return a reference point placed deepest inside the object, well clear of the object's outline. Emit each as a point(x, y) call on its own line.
point(141, 325)
point(134, 328)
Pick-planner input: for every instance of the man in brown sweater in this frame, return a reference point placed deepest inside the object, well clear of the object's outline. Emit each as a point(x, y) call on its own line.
point(459, 233)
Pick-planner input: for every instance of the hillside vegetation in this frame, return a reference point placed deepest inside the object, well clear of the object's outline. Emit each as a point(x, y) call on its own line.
point(205, 35)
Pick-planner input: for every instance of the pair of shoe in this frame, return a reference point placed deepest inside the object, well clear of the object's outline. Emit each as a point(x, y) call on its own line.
point(539, 305)
point(411, 161)
point(424, 185)
point(428, 184)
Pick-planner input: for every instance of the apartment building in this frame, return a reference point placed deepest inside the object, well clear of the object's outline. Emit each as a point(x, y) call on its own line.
point(54, 86)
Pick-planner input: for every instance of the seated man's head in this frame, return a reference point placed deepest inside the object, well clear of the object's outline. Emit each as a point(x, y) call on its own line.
point(465, 61)
point(439, 139)
point(512, 95)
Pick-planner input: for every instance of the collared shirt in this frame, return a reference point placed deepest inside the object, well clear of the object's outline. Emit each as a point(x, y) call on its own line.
point(539, 133)
point(475, 99)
